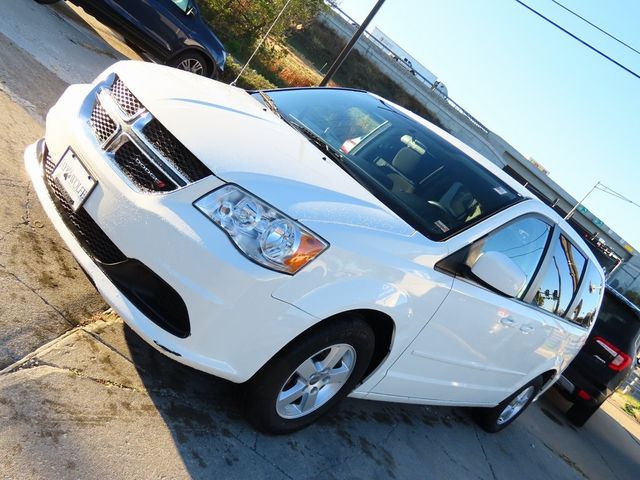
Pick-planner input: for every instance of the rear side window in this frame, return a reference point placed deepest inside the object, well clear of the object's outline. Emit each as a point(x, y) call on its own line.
point(589, 298)
point(618, 323)
point(523, 241)
point(561, 277)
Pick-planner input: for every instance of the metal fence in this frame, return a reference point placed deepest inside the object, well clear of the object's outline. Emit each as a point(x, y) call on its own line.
point(454, 105)
point(631, 385)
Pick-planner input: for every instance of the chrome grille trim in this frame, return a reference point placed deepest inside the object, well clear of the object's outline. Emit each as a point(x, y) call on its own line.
point(132, 131)
point(119, 118)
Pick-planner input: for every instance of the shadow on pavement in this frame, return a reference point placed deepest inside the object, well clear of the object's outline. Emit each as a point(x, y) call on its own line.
point(358, 439)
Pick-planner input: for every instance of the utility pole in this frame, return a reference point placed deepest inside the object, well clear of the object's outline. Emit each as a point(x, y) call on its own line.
point(349, 46)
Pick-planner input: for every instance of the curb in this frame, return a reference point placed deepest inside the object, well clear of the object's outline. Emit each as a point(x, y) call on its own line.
point(44, 348)
point(48, 346)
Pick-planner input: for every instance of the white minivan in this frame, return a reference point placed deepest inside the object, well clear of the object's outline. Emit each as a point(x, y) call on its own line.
point(312, 244)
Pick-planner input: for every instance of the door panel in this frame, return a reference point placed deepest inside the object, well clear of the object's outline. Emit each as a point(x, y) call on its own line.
point(480, 345)
point(156, 23)
point(477, 349)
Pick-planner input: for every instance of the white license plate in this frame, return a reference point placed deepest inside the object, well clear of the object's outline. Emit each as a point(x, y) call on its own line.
point(74, 178)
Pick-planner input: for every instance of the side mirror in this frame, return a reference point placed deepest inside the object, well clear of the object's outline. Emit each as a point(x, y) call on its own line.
point(500, 272)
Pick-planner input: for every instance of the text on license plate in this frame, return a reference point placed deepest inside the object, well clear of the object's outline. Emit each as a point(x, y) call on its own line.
point(74, 178)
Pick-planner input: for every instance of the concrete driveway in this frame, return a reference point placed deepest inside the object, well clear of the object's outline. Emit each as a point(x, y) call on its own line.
point(100, 403)
point(96, 402)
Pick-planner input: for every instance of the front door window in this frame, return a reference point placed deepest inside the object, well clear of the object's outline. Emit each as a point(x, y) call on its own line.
point(183, 4)
point(523, 241)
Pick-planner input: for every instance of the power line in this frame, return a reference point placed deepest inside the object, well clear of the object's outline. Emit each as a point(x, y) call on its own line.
point(611, 191)
point(595, 26)
point(260, 43)
point(579, 40)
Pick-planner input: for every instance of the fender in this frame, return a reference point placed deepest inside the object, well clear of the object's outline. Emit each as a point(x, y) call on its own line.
point(553, 365)
point(409, 312)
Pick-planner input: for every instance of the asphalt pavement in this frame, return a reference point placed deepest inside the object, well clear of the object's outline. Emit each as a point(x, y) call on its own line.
point(83, 397)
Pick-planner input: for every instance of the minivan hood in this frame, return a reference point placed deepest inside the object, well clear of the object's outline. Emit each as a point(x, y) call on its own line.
point(243, 142)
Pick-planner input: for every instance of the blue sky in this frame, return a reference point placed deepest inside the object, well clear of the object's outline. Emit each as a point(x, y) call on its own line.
point(553, 99)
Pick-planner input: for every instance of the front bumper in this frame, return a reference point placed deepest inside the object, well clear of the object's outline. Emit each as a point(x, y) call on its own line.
point(236, 326)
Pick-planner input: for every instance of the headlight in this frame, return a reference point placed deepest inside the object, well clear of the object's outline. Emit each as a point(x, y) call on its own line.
point(262, 233)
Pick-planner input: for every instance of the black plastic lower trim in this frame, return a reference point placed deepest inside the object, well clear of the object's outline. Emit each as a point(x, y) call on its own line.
point(154, 297)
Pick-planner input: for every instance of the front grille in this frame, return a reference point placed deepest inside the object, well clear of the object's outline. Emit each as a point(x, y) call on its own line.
point(170, 166)
point(154, 297)
point(102, 124)
point(123, 96)
point(174, 151)
point(91, 237)
point(144, 174)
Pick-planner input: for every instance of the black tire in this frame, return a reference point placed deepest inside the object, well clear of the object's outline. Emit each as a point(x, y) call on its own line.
point(490, 418)
point(578, 413)
point(193, 62)
point(280, 375)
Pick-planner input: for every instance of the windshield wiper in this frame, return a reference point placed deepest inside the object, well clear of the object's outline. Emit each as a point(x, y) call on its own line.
point(268, 101)
point(316, 139)
point(312, 136)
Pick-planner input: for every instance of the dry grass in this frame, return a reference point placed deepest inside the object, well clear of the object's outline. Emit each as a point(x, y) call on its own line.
point(321, 44)
point(291, 70)
point(283, 69)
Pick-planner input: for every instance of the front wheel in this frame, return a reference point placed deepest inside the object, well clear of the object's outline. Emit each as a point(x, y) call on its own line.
point(499, 417)
point(309, 376)
point(193, 62)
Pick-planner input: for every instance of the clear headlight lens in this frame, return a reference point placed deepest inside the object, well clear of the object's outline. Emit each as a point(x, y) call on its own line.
point(262, 233)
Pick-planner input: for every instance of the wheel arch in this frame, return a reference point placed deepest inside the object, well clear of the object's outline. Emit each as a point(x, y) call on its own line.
point(548, 378)
point(382, 325)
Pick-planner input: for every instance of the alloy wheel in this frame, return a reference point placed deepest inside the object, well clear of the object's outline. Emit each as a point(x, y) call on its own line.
point(516, 405)
point(316, 381)
point(192, 65)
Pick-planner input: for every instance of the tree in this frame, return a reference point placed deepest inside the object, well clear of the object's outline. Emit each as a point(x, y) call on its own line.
point(241, 23)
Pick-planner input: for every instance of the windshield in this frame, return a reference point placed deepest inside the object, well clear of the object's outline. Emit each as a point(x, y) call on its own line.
point(427, 181)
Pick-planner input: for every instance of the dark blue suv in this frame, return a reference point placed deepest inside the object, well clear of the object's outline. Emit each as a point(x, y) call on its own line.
point(169, 31)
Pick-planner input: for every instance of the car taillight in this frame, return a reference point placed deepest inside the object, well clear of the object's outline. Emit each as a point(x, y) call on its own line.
point(620, 359)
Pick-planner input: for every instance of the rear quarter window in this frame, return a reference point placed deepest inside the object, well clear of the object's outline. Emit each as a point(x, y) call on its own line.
point(588, 299)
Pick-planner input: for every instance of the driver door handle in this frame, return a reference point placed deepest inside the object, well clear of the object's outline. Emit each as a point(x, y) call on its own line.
point(527, 329)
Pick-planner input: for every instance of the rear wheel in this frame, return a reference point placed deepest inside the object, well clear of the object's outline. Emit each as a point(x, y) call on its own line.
point(501, 416)
point(578, 414)
point(193, 62)
point(309, 376)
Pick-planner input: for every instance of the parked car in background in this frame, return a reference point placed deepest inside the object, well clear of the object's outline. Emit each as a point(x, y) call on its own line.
point(607, 357)
point(169, 31)
point(234, 235)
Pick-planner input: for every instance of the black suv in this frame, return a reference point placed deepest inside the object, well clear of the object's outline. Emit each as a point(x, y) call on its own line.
point(605, 359)
point(170, 31)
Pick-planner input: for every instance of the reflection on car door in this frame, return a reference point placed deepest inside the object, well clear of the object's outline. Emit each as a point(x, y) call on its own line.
point(160, 21)
point(476, 349)
point(480, 345)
